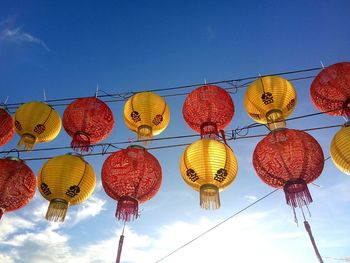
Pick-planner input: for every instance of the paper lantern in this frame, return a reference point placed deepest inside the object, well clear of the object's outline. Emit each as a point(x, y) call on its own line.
point(131, 176)
point(64, 181)
point(36, 122)
point(147, 114)
point(208, 109)
point(340, 149)
point(88, 121)
point(7, 128)
point(289, 159)
point(269, 100)
point(17, 184)
point(208, 166)
point(330, 90)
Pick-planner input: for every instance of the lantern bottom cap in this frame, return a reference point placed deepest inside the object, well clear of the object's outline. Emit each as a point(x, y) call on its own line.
point(28, 140)
point(127, 208)
point(209, 197)
point(144, 132)
point(297, 193)
point(81, 142)
point(57, 210)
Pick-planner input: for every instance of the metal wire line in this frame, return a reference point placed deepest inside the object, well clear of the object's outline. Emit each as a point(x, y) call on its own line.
point(217, 225)
point(125, 95)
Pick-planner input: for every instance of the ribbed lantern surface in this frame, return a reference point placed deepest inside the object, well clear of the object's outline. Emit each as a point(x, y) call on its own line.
point(340, 149)
point(208, 166)
point(131, 176)
point(330, 90)
point(208, 109)
point(36, 122)
point(289, 159)
point(147, 114)
point(7, 127)
point(64, 181)
point(87, 121)
point(270, 99)
point(17, 184)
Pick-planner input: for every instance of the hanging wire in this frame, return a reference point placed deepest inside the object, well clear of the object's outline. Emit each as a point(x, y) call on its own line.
point(217, 225)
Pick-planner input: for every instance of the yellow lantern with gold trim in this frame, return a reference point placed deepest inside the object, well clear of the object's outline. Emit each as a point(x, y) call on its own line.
point(64, 181)
point(269, 100)
point(208, 166)
point(147, 114)
point(36, 122)
point(340, 149)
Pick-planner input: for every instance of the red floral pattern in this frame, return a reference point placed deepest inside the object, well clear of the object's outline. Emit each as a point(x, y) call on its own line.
point(7, 128)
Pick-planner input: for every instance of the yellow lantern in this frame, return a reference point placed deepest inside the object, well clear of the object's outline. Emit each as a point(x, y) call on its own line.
point(208, 166)
point(269, 100)
point(65, 180)
point(36, 122)
point(147, 114)
point(340, 149)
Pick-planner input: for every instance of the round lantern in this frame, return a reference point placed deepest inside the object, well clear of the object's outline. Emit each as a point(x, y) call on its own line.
point(88, 121)
point(131, 176)
point(269, 100)
point(208, 109)
point(340, 149)
point(208, 166)
point(17, 184)
point(330, 90)
point(36, 122)
point(147, 114)
point(7, 128)
point(64, 181)
point(289, 159)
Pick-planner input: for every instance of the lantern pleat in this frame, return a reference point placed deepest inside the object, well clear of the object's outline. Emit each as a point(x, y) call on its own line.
point(208, 109)
point(131, 176)
point(147, 114)
point(17, 184)
point(330, 90)
point(36, 122)
point(340, 149)
point(64, 181)
point(7, 127)
point(267, 95)
point(87, 121)
point(208, 166)
point(289, 159)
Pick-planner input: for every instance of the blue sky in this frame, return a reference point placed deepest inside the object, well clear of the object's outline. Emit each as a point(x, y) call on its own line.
point(68, 47)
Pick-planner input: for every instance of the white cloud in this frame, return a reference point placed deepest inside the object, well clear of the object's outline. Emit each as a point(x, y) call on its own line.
point(90, 208)
point(18, 36)
point(251, 197)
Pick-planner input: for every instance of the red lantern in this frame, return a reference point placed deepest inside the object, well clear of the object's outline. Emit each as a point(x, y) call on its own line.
point(289, 159)
point(208, 109)
point(131, 176)
point(17, 184)
point(7, 128)
point(330, 90)
point(88, 121)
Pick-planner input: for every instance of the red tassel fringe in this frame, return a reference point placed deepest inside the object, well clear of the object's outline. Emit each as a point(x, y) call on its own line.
point(127, 208)
point(81, 142)
point(297, 193)
point(209, 130)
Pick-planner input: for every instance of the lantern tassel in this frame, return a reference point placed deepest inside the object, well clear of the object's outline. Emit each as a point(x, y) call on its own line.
point(297, 193)
point(57, 210)
point(127, 208)
point(308, 229)
point(209, 130)
point(81, 142)
point(144, 132)
point(2, 212)
point(209, 197)
point(28, 141)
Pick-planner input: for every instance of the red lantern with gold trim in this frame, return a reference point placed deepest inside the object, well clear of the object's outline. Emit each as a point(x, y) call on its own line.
point(7, 127)
point(289, 159)
point(17, 184)
point(330, 90)
point(208, 109)
point(131, 176)
point(88, 121)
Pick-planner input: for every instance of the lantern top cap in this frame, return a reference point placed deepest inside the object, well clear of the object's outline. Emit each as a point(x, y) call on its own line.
point(135, 146)
point(13, 158)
